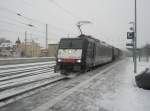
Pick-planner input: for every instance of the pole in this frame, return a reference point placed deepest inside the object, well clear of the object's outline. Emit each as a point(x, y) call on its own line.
point(32, 46)
point(135, 39)
point(25, 43)
point(46, 40)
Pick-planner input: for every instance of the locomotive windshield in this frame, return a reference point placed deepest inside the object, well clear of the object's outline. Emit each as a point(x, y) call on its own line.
point(71, 44)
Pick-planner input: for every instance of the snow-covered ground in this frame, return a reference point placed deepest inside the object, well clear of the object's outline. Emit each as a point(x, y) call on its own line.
point(108, 89)
point(25, 64)
point(24, 58)
point(114, 90)
point(11, 61)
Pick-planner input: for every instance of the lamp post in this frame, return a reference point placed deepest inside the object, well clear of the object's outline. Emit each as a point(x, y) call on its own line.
point(135, 37)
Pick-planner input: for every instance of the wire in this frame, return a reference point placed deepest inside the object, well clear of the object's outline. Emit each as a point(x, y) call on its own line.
point(33, 20)
point(20, 22)
point(29, 33)
point(6, 30)
point(52, 26)
point(21, 33)
point(9, 23)
point(64, 9)
point(30, 19)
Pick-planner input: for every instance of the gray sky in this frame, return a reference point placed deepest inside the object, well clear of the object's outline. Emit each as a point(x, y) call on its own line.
point(110, 19)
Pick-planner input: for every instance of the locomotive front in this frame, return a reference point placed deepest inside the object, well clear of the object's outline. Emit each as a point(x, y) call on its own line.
point(69, 55)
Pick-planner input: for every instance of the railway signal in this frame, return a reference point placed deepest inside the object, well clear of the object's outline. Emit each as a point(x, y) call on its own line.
point(130, 35)
point(132, 45)
point(129, 44)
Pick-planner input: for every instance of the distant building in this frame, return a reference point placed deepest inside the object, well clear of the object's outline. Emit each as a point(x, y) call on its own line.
point(52, 50)
point(6, 49)
point(32, 49)
point(28, 49)
point(44, 52)
point(6, 45)
point(18, 49)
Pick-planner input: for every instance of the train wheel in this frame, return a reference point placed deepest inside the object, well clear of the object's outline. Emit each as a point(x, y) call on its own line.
point(64, 72)
point(86, 69)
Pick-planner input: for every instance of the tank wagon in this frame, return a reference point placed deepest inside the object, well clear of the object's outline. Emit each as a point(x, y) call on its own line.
point(82, 53)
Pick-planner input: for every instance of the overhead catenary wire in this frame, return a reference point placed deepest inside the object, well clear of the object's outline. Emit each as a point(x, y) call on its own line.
point(25, 25)
point(39, 32)
point(29, 33)
point(33, 20)
point(16, 13)
point(19, 32)
point(52, 26)
point(32, 36)
point(36, 21)
point(28, 24)
point(65, 10)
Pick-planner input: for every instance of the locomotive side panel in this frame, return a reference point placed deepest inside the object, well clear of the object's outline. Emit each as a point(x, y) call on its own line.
point(116, 53)
point(103, 54)
point(90, 54)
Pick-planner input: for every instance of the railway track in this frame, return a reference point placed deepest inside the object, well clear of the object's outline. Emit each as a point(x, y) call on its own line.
point(21, 76)
point(26, 73)
point(6, 74)
point(8, 67)
point(12, 94)
point(24, 78)
point(14, 83)
point(54, 85)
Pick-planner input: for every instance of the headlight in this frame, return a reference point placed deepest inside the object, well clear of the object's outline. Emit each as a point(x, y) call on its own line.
point(70, 51)
point(79, 61)
point(59, 60)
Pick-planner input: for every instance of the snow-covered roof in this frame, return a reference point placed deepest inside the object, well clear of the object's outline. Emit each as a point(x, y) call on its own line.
point(5, 45)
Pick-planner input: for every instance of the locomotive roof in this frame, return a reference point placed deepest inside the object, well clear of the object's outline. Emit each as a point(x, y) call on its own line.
point(90, 37)
point(105, 44)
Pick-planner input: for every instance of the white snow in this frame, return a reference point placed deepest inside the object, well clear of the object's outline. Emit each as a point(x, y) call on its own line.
point(27, 79)
point(26, 64)
point(127, 97)
point(115, 90)
point(24, 58)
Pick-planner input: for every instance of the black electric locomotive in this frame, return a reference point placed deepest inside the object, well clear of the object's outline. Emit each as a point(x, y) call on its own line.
point(82, 53)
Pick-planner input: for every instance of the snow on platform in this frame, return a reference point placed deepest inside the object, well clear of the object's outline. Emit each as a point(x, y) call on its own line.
point(114, 90)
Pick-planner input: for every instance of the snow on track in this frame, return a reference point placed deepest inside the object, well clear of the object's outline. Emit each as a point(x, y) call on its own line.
point(113, 91)
point(13, 91)
point(24, 80)
point(5, 67)
point(50, 103)
point(18, 70)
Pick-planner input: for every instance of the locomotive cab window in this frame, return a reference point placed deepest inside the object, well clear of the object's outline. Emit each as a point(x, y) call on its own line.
point(71, 44)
